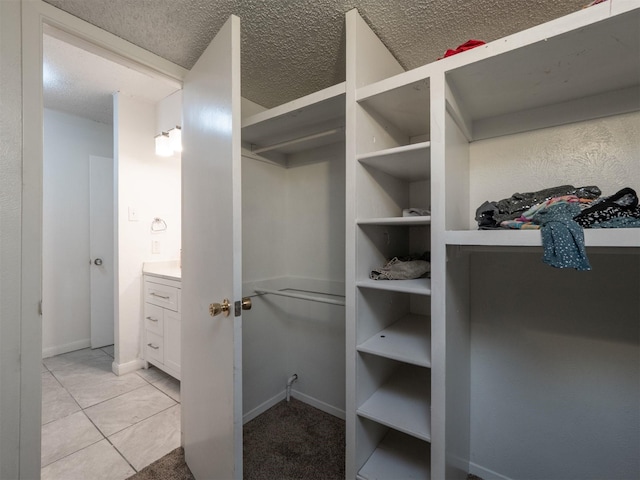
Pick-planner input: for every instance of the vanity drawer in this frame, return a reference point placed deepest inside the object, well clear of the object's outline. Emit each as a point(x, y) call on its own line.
point(162, 295)
point(154, 349)
point(153, 318)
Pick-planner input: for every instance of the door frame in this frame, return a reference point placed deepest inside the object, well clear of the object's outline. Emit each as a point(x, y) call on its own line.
point(36, 18)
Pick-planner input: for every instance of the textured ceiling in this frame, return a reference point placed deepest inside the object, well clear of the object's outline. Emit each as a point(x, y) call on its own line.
point(78, 82)
point(291, 48)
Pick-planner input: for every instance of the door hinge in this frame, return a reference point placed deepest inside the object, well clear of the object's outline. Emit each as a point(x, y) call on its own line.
point(40, 308)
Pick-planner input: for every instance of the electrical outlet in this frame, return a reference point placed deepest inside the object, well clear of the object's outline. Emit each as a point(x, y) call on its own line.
point(155, 246)
point(133, 214)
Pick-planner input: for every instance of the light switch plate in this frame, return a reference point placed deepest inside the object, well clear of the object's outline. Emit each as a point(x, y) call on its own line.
point(133, 214)
point(155, 246)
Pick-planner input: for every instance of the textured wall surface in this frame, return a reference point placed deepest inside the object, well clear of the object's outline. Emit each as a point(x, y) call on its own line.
point(602, 152)
point(293, 48)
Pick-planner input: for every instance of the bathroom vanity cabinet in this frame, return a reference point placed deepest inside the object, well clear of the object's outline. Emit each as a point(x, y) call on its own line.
point(161, 317)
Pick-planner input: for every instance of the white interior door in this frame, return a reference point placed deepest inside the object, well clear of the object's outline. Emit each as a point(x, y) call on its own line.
point(101, 250)
point(211, 388)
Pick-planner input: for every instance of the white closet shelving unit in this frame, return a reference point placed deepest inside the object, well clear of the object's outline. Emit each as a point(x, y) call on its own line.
point(390, 147)
point(411, 142)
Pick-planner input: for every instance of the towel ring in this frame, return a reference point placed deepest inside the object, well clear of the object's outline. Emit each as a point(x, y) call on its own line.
point(158, 225)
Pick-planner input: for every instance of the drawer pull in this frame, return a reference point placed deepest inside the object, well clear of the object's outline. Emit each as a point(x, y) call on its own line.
point(152, 319)
point(164, 297)
point(155, 347)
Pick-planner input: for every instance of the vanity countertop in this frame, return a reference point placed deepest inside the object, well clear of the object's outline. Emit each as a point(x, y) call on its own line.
point(170, 270)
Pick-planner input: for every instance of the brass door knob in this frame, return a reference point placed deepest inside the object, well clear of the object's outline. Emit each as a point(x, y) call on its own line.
point(246, 303)
point(218, 308)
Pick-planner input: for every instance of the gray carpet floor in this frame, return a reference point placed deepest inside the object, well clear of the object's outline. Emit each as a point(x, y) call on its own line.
point(290, 441)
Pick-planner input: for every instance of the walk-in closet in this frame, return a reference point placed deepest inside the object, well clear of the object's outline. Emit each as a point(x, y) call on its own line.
point(293, 203)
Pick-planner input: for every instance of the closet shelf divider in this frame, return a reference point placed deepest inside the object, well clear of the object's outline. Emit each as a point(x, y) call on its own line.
point(408, 340)
point(398, 456)
point(402, 403)
point(400, 221)
point(418, 286)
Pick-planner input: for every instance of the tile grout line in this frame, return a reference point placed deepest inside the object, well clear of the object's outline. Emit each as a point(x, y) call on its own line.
point(72, 453)
point(137, 423)
point(83, 410)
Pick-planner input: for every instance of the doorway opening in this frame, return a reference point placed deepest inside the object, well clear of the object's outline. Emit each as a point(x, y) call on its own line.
point(95, 153)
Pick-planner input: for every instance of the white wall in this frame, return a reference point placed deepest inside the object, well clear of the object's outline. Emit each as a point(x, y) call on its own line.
point(149, 185)
point(169, 112)
point(293, 236)
point(315, 250)
point(10, 241)
point(264, 356)
point(555, 368)
point(69, 141)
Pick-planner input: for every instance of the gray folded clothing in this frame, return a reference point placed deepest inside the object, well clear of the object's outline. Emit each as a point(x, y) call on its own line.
point(396, 269)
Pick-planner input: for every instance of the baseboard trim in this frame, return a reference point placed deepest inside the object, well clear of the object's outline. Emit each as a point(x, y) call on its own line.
point(320, 405)
point(124, 368)
point(69, 347)
point(263, 407)
point(485, 473)
point(314, 402)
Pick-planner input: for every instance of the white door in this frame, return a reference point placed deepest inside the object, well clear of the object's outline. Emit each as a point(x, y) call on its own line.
point(101, 250)
point(211, 383)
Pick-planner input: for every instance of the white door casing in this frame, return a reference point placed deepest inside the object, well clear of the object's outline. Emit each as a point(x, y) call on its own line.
point(101, 250)
point(211, 387)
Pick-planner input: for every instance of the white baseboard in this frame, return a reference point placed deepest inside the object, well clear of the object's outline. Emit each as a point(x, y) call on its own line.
point(124, 368)
point(485, 473)
point(263, 407)
point(320, 405)
point(69, 347)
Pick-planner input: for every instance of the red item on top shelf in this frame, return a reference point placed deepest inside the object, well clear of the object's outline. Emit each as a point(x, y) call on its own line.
point(468, 45)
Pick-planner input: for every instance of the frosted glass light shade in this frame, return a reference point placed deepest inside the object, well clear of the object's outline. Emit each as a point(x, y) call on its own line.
point(163, 145)
point(175, 137)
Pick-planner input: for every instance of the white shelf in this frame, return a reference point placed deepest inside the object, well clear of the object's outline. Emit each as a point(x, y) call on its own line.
point(318, 113)
point(409, 162)
point(407, 340)
point(419, 286)
point(406, 107)
point(398, 456)
point(400, 221)
point(600, 237)
point(403, 403)
point(555, 77)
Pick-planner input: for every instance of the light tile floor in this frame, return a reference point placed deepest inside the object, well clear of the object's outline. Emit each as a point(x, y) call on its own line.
point(98, 425)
